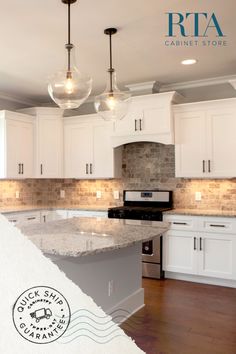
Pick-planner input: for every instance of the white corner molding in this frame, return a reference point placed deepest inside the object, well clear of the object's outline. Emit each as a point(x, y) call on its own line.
point(232, 82)
point(141, 88)
point(43, 111)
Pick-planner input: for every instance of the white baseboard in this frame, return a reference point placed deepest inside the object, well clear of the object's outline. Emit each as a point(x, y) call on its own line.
point(130, 304)
point(199, 279)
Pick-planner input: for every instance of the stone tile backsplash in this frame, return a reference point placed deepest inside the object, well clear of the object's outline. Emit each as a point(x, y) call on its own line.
point(145, 166)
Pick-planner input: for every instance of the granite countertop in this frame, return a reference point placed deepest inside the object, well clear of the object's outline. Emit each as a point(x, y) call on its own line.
point(22, 208)
point(87, 236)
point(199, 212)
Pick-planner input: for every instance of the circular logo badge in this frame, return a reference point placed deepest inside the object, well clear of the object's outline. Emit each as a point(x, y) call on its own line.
point(41, 314)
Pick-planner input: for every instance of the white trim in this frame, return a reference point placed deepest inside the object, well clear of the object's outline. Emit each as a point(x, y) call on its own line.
point(198, 83)
point(201, 279)
point(233, 83)
point(131, 303)
point(141, 87)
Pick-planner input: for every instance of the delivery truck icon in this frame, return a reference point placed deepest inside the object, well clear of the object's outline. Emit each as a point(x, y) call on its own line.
point(41, 313)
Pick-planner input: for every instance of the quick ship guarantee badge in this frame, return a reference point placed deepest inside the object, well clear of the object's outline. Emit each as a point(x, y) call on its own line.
point(41, 315)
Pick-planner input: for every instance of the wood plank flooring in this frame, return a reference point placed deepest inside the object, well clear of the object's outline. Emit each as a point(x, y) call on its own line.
point(185, 318)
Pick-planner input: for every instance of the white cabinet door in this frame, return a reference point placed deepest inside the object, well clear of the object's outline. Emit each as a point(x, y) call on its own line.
point(222, 142)
point(149, 118)
point(205, 139)
point(217, 255)
point(131, 123)
point(78, 150)
point(103, 153)
point(48, 140)
point(50, 147)
point(19, 145)
point(180, 252)
point(190, 144)
point(88, 152)
point(27, 149)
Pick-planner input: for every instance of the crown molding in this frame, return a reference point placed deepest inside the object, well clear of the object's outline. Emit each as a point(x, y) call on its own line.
point(199, 83)
point(141, 87)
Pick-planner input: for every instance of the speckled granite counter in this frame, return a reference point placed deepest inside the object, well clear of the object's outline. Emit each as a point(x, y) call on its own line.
point(86, 236)
point(24, 208)
point(198, 212)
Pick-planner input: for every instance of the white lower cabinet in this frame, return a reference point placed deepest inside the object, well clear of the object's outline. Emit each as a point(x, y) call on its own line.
point(179, 253)
point(216, 256)
point(208, 250)
point(30, 217)
point(43, 216)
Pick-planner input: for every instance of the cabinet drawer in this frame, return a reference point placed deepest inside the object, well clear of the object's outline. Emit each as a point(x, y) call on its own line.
point(181, 222)
point(218, 225)
point(30, 218)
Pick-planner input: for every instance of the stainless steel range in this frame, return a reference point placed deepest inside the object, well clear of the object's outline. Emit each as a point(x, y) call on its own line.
point(147, 206)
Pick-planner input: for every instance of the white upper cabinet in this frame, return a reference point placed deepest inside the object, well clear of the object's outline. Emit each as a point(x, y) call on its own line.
point(205, 139)
point(88, 152)
point(48, 141)
point(149, 118)
point(16, 145)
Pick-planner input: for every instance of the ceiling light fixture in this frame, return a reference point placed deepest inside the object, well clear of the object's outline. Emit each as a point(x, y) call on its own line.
point(189, 61)
point(112, 104)
point(69, 88)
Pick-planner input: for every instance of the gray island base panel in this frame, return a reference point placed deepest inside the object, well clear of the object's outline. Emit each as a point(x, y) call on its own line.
point(102, 256)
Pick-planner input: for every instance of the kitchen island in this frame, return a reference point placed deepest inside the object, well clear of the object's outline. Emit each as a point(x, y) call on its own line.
point(102, 256)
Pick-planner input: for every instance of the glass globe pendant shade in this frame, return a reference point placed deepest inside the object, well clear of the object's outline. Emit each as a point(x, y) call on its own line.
point(112, 104)
point(69, 88)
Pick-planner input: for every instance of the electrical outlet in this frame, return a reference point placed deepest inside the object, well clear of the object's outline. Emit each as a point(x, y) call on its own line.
point(110, 287)
point(198, 196)
point(62, 194)
point(116, 194)
point(98, 194)
point(17, 194)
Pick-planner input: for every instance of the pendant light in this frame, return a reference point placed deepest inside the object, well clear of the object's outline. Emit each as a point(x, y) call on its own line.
point(112, 104)
point(69, 88)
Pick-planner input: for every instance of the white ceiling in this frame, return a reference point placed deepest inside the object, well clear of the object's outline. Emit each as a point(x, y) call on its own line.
point(33, 34)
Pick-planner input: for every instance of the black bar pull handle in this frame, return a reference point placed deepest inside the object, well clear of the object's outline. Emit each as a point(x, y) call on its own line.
point(217, 225)
point(209, 166)
point(140, 124)
point(179, 223)
point(41, 168)
point(135, 124)
point(86, 168)
point(195, 243)
point(200, 244)
point(91, 168)
point(203, 166)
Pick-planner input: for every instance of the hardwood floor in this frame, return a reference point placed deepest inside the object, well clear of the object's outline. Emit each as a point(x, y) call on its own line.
point(185, 318)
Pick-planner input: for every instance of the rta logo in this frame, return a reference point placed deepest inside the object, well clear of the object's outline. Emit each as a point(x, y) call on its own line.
point(193, 24)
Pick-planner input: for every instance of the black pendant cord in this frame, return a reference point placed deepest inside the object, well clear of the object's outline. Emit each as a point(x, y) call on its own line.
point(69, 46)
point(110, 32)
point(111, 70)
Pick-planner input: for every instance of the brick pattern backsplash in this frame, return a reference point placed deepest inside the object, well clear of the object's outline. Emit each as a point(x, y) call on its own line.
point(145, 166)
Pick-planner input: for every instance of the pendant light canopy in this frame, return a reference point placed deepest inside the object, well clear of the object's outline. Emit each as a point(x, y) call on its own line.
point(112, 104)
point(69, 88)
